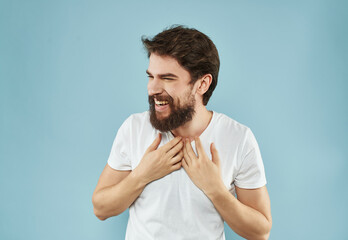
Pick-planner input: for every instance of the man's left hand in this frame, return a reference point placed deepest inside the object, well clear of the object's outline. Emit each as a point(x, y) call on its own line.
point(204, 173)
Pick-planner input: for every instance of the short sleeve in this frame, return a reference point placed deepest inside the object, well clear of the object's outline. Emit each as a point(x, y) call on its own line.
point(120, 158)
point(251, 172)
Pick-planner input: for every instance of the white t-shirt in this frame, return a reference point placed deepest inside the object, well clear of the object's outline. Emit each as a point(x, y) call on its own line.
point(173, 207)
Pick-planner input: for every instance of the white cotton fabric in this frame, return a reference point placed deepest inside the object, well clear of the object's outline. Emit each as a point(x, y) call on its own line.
point(173, 208)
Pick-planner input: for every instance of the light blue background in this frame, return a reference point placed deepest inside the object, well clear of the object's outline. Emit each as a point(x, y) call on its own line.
point(72, 71)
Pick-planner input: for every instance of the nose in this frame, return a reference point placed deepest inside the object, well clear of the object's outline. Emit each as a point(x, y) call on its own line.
point(154, 86)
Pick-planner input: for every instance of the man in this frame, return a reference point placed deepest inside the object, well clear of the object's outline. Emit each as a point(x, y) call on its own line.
point(178, 166)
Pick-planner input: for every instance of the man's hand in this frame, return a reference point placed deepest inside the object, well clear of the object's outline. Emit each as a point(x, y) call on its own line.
point(157, 163)
point(204, 173)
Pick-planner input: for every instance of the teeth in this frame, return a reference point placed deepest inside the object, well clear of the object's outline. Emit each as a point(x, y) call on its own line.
point(161, 102)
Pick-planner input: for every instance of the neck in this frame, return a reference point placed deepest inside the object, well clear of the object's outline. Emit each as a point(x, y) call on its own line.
point(196, 126)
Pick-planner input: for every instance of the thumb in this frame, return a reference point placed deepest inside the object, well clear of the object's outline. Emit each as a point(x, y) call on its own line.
point(215, 155)
point(155, 143)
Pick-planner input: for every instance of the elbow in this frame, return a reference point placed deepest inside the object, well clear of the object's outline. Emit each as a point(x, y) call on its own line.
point(102, 214)
point(262, 234)
point(269, 227)
point(99, 214)
point(97, 208)
point(260, 237)
point(265, 236)
point(100, 210)
point(100, 217)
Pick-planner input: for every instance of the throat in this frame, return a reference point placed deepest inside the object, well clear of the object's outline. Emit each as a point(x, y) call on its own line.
point(195, 127)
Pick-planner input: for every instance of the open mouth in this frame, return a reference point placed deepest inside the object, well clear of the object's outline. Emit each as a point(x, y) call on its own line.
point(161, 106)
point(161, 103)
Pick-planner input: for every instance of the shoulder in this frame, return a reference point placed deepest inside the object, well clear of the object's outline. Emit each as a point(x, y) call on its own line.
point(239, 132)
point(138, 118)
point(138, 122)
point(229, 125)
point(231, 131)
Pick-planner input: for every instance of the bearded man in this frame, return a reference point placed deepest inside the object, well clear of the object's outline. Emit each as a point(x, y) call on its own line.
point(181, 169)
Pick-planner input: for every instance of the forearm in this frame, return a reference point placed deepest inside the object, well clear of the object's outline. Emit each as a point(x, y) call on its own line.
point(244, 220)
point(113, 200)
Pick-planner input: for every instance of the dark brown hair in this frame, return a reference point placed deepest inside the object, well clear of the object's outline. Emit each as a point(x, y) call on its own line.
point(192, 49)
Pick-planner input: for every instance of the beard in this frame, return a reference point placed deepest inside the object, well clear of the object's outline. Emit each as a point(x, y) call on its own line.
point(179, 115)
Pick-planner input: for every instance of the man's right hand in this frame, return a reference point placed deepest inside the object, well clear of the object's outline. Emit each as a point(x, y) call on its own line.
point(157, 163)
point(117, 190)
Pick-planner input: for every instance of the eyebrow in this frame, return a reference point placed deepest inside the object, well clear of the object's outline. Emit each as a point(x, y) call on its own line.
point(163, 75)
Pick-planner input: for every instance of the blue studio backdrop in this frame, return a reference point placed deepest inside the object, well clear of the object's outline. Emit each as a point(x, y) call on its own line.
point(72, 71)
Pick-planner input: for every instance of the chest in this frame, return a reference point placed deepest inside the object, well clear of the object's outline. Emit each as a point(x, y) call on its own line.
point(177, 196)
point(177, 189)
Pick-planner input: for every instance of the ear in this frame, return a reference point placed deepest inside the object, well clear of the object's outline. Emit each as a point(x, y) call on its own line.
point(204, 83)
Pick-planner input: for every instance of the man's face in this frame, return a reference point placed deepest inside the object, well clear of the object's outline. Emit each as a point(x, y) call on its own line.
point(171, 96)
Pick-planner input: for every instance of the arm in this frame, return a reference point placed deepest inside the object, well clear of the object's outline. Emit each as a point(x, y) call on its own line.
point(117, 190)
point(249, 215)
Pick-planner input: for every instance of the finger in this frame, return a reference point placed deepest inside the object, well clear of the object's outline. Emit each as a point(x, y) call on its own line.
point(215, 155)
point(171, 144)
point(186, 156)
point(190, 151)
point(176, 166)
point(199, 147)
point(184, 164)
point(177, 158)
point(172, 152)
point(154, 145)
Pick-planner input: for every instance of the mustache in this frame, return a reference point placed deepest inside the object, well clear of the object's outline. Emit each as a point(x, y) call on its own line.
point(167, 98)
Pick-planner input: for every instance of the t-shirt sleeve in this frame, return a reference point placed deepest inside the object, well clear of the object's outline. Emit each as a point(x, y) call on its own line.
point(120, 158)
point(251, 172)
